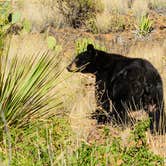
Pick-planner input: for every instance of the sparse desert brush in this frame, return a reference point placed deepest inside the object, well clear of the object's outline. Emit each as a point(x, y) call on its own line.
point(107, 22)
point(40, 13)
point(81, 13)
point(103, 22)
point(77, 12)
point(112, 19)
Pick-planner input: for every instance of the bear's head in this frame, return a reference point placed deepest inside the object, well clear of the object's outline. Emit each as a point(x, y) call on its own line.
point(84, 62)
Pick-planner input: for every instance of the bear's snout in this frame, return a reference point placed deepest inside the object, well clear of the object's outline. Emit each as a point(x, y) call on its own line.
point(72, 67)
point(68, 68)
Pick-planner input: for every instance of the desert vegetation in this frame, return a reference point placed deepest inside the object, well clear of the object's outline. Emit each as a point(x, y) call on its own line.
point(45, 111)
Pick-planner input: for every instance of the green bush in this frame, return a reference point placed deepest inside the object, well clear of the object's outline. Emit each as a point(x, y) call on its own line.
point(4, 24)
point(138, 153)
point(4, 12)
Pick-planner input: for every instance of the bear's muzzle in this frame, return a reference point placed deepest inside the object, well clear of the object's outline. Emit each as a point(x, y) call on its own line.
point(72, 67)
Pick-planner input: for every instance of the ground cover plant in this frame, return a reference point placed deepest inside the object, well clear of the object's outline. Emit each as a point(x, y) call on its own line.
point(112, 152)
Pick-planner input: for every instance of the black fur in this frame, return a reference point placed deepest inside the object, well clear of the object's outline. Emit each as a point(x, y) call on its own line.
point(128, 82)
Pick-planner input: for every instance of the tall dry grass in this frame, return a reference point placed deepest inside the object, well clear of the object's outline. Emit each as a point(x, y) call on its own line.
point(40, 13)
point(117, 6)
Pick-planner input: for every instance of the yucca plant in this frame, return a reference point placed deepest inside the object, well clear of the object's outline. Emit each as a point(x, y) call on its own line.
point(28, 88)
point(144, 26)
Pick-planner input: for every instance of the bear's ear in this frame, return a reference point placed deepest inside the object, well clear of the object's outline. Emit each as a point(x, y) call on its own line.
point(90, 47)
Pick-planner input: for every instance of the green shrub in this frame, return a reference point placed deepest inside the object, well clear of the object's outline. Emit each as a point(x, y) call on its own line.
point(52, 44)
point(138, 153)
point(4, 24)
point(4, 12)
point(157, 4)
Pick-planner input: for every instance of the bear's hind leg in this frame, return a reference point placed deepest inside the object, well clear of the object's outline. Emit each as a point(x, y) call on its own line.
point(102, 113)
point(157, 117)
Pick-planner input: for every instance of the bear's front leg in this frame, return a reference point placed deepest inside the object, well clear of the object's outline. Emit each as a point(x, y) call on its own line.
point(101, 114)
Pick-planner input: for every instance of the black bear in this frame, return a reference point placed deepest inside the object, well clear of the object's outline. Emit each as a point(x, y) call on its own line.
point(128, 82)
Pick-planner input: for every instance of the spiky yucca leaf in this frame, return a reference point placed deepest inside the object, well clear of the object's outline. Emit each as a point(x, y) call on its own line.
point(27, 88)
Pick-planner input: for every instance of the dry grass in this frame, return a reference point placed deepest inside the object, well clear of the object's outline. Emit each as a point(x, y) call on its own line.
point(79, 99)
point(105, 22)
point(152, 51)
point(140, 8)
point(157, 3)
point(31, 43)
point(40, 13)
point(119, 6)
